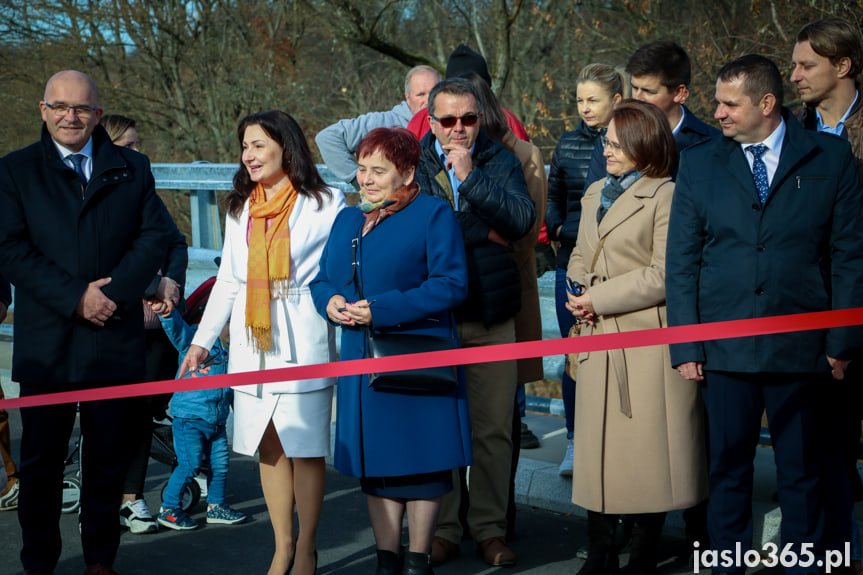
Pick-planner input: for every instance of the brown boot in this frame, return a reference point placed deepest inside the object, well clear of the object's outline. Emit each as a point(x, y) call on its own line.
point(443, 550)
point(496, 553)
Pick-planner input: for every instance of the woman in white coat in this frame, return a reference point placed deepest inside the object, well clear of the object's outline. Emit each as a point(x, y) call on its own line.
point(279, 218)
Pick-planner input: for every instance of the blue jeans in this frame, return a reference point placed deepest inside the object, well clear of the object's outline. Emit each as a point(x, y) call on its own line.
point(192, 438)
point(565, 320)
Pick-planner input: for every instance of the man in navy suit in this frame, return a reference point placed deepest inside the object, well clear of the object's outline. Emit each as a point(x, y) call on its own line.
point(765, 222)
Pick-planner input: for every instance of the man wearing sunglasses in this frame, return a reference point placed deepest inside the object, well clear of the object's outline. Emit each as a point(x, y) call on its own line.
point(485, 186)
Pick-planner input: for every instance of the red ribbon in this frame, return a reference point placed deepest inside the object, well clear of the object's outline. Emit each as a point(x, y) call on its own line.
point(510, 351)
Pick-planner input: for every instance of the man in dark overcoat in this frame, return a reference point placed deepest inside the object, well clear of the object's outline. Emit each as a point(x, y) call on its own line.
point(82, 233)
point(765, 221)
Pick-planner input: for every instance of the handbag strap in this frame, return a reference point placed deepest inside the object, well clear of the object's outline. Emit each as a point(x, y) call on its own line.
point(596, 254)
point(355, 265)
point(355, 273)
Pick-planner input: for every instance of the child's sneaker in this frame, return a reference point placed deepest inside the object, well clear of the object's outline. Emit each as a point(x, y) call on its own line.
point(176, 519)
point(222, 513)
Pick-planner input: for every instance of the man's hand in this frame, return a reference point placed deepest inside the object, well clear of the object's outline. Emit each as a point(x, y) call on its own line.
point(94, 306)
point(692, 370)
point(497, 238)
point(168, 291)
point(458, 158)
point(838, 367)
point(3, 309)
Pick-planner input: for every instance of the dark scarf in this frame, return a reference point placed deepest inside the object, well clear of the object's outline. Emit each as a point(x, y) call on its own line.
point(613, 189)
point(376, 212)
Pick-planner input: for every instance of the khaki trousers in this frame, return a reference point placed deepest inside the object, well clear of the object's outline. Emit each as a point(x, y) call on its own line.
point(491, 395)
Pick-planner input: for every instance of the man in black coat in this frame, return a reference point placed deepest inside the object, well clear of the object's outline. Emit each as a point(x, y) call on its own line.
point(82, 233)
point(766, 221)
point(485, 185)
point(9, 494)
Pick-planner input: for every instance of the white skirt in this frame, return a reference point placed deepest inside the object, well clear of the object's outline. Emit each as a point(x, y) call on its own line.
point(302, 421)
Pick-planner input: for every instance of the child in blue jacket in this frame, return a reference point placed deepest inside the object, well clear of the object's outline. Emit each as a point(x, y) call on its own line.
point(199, 427)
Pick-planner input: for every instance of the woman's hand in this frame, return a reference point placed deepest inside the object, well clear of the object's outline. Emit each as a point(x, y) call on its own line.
point(194, 357)
point(336, 303)
point(581, 307)
point(360, 313)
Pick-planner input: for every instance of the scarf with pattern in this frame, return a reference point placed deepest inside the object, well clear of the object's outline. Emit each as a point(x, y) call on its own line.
point(376, 212)
point(269, 260)
point(613, 189)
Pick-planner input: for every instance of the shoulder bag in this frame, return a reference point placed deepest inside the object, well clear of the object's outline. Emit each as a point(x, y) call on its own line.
point(430, 380)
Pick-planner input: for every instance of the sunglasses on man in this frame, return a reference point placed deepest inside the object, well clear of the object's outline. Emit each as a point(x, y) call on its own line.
point(467, 120)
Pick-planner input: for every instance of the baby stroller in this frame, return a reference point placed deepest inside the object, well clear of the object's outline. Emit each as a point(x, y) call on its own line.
point(162, 450)
point(71, 501)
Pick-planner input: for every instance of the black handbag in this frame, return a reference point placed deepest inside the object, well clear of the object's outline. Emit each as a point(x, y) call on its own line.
point(429, 380)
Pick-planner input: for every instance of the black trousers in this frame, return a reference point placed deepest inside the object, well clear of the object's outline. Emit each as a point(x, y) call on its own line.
point(162, 362)
point(46, 432)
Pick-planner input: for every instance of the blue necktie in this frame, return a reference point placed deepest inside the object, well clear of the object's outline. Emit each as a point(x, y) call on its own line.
point(759, 171)
point(78, 162)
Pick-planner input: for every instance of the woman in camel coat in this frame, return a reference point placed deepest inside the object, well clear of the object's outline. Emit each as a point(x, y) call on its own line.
point(638, 424)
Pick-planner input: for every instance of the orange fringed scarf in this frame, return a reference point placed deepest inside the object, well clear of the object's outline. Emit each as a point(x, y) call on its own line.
point(269, 261)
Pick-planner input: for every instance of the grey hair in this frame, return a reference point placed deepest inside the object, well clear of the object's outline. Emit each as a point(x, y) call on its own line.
point(415, 70)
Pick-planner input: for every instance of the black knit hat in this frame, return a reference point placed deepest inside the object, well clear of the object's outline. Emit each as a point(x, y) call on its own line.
point(464, 60)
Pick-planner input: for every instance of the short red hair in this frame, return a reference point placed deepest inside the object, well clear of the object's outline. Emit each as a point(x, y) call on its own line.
point(397, 145)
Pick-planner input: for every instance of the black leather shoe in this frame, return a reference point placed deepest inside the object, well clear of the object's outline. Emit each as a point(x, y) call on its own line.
point(417, 564)
point(98, 569)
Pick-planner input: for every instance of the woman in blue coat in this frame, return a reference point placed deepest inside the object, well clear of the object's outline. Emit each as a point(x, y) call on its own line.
point(412, 272)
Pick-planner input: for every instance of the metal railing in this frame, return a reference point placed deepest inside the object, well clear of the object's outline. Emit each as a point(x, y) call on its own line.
point(203, 180)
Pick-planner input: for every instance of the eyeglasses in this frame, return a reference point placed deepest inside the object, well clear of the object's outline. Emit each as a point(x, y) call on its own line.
point(616, 148)
point(61, 110)
point(467, 120)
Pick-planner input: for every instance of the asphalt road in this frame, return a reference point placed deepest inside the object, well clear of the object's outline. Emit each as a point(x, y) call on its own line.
point(545, 543)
